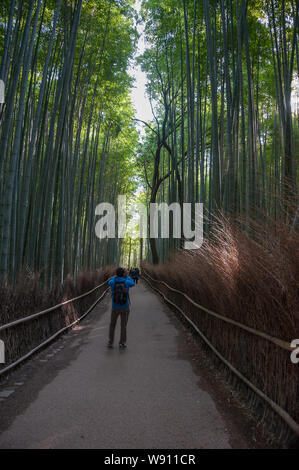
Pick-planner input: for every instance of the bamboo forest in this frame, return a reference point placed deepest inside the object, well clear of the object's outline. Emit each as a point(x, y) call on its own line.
point(164, 102)
point(224, 132)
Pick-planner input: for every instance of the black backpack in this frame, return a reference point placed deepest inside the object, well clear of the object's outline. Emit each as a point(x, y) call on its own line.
point(120, 294)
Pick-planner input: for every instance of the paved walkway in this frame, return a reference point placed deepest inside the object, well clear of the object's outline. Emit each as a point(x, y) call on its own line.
point(79, 394)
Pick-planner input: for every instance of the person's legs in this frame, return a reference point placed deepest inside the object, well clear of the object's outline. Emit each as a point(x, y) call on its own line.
point(114, 316)
point(123, 327)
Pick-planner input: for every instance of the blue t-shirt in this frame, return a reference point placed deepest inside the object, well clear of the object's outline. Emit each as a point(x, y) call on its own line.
point(128, 283)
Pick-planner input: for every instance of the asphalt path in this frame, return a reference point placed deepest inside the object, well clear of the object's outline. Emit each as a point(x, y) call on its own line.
point(155, 394)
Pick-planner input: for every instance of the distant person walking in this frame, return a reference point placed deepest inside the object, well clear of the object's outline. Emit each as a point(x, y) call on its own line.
point(120, 285)
point(134, 273)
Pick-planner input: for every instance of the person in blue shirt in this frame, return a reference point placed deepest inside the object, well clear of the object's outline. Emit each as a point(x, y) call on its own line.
point(120, 285)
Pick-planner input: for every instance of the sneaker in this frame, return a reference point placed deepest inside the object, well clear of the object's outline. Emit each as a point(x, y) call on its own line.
point(110, 345)
point(122, 346)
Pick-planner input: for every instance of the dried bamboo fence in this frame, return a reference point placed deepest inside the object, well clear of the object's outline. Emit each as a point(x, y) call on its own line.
point(25, 336)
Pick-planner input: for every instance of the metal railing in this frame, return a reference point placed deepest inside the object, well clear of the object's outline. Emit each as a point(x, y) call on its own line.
point(43, 312)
